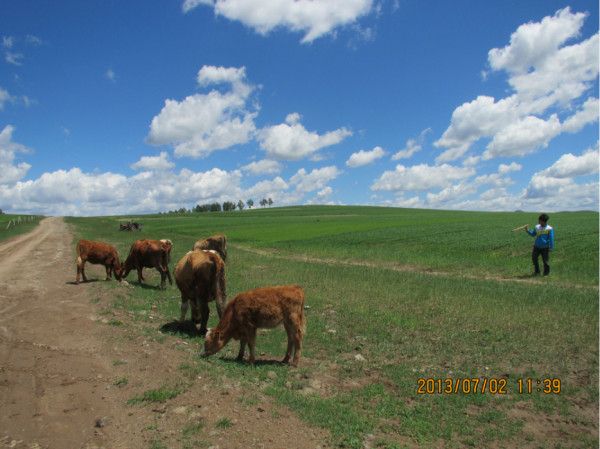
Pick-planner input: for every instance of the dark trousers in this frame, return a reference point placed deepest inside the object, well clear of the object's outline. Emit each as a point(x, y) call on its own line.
point(535, 254)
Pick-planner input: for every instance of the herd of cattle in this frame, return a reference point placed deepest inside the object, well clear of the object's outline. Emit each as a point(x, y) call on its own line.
point(200, 277)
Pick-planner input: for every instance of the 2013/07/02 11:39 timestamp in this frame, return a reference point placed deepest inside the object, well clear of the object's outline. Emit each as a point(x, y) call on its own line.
point(488, 385)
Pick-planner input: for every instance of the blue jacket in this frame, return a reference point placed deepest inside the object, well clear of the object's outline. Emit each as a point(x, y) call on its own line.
point(544, 236)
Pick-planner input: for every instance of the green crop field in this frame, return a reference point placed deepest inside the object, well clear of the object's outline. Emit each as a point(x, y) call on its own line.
point(398, 295)
point(12, 225)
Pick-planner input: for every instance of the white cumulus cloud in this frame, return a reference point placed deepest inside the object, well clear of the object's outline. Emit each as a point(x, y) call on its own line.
point(313, 18)
point(569, 165)
point(160, 162)
point(507, 168)
point(587, 114)
point(547, 72)
point(263, 167)
point(317, 179)
point(412, 146)
point(421, 177)
point(558, 182)
point(203, 123)
point(10, 171)
point(535, 42)
point(365, 157)
point(291, 141)
point(523, 137)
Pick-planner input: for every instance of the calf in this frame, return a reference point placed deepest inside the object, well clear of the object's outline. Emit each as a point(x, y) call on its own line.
point(150, 254)
point(200, 277)
point(97, 253)
point(217, 243)
point(261, 308)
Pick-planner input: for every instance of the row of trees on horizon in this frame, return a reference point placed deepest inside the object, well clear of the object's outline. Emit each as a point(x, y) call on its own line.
point(227, 206)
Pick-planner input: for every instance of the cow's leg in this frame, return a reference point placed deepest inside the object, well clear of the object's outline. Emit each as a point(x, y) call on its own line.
point(107, 272)
point(195, 312)
point(83, 271)
point(162, 279)
point(185, 304)
point(290, 335)
point(204, 312)
point(163, 275)
point(240, 356)
point(169, 276)
point(140, 277)
point(297, 335)
point(252, 345)
point(79, 269)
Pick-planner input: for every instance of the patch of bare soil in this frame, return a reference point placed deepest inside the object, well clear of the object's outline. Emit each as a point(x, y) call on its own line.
point(403, 268)
point(66, 373)
point(553, 429)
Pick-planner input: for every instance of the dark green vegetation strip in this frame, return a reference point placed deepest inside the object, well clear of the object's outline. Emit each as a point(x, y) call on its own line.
point(12, 225)
point(372, 333)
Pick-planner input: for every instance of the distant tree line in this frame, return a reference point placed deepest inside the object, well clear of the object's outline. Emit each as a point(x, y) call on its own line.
point(227, 206)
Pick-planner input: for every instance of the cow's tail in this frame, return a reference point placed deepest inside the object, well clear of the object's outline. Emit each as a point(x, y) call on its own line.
point(219, 286)
point(302, 313)
point(164, 264)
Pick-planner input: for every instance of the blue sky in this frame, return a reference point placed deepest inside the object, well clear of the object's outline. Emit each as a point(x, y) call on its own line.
point(111, 107)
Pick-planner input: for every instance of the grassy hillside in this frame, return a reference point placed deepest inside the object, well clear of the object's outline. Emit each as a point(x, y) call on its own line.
point(396, 295)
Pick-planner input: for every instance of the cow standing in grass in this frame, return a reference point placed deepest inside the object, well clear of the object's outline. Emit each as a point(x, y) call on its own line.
point(149, 254)
point(217, 243)
point(200, 277)
point(97, 253)
point(265, 307)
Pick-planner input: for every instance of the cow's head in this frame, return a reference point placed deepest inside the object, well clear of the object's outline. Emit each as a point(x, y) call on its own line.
point(118, 269)
point(213, 342)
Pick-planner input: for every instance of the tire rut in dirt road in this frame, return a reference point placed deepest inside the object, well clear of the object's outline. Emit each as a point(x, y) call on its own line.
point(401, 268)
point(58, 370)
point(50, 376)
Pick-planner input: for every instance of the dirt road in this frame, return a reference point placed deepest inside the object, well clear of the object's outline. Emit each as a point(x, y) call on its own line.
point(60, 361)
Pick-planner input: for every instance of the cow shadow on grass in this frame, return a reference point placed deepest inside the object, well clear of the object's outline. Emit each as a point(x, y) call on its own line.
point(185, 329)
point(146, 286)
point(527, 276)
point(259, 362)
point(89, 281)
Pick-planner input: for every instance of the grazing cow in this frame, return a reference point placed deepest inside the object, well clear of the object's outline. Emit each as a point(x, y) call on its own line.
point(98, 253)
point(261, 308)
point(200, 277)
point(217, 243)
point(151, 254)
point(130, 226)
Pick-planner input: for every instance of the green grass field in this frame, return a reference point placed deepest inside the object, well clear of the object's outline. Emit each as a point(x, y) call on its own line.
point(396, 295)
point(16, 226)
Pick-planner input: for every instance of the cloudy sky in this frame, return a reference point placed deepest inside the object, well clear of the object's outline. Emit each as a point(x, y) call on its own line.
point(110, 107)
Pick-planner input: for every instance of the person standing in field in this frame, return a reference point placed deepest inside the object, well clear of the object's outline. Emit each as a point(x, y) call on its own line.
point(543, 244)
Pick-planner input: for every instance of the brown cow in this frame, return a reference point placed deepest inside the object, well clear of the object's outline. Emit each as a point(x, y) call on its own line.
point(217, 243)
point(200, 277)
point(151, 254)
point(98, 253)
point(261, 308)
